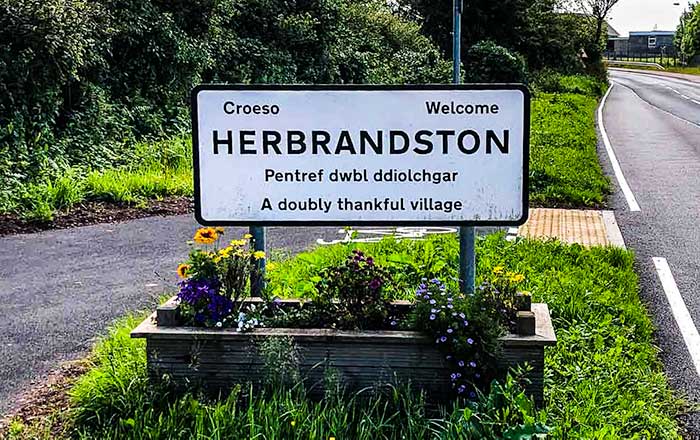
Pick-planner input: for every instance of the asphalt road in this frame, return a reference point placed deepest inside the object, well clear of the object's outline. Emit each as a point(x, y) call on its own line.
point(60, 289)
point(653, 123)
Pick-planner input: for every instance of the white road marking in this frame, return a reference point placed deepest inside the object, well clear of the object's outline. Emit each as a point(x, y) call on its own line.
point(680, 311)
point(631, 201)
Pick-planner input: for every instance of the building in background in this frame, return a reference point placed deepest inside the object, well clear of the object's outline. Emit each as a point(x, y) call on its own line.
point(652, 43)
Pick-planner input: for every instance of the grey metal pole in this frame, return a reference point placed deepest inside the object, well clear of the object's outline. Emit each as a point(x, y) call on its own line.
point(257, 279)
point(467, 255)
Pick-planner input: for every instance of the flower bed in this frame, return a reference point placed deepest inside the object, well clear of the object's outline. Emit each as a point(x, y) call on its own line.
point(218, 359)
point(442, 341)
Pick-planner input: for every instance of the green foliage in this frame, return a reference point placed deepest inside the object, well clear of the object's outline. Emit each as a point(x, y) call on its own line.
point(564, 167)
point(604, 368)
point(488, 62)
point(689, 32)
point(550, 81)
point(113, 401)
point(536, 29)
point(84, 84)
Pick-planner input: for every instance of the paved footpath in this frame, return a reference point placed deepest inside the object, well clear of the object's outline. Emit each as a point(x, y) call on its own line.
point(653, 125)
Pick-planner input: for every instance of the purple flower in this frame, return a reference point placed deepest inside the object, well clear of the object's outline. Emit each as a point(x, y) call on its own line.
point(443, 338)
point(432, 317)
point(393, 323)
point(461, 315)
point(370, 261)
point(466, 323)
point(461, 389)
point(453, 376)
point(449, 299)
point(426, 297)
point(448, 357)
point(477, 375)
point(449, 330)
point(432, 301)
point(449, 306)
point(472, 364)
point(375, 284)
point(460, 363)
point(470, 341)
point(472, 395)
point(434, 310)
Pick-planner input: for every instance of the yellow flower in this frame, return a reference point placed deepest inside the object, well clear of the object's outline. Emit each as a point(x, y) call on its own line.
point(247, 236)
point(498, 270)
point(526, 293)
point(182, 270)
point(219, 230)
point(258, 255)
point(331, 438)
point(224, 253)
point(206, 235)
point(517, 278)
point(238, 243)
point(271, 266)
point(293, 423)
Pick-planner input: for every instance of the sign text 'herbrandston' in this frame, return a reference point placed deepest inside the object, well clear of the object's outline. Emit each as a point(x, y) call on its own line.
point(352, 155)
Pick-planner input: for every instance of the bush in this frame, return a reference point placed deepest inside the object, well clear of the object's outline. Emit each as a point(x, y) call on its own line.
point(83, 83)
point(487, 62)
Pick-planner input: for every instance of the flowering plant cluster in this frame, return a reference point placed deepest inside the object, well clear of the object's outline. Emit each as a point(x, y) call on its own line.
point(463, 331)
point(349, 296)
point(214, 281)
point(500, 292)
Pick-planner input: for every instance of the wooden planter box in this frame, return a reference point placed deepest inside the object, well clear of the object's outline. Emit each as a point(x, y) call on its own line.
point(218, 359)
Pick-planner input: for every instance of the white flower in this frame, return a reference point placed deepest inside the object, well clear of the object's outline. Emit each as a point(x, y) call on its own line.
point(218, 324)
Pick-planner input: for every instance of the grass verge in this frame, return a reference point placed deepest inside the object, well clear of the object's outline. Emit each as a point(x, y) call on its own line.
point(564, 168)
point(603, 378)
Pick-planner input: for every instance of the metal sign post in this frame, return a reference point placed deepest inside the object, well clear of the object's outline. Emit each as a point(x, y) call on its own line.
point(467, 257)
point(257, 280)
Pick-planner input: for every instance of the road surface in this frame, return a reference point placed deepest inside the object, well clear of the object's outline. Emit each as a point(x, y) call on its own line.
point(653, 124)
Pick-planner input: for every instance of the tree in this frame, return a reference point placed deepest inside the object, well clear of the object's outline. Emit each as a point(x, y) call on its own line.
point(598, 11)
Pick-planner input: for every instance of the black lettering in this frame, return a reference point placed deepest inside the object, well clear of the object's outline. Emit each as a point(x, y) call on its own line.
point(271, 139)
point(243, 141)
point(492, 139)
point(296, 138)
point(377, 143)
point(229, 108)
point(392, 142)
point(432, 107)
point(345, 143)
point(266, 205)
point(495, 109)
point(445, 139)
point(425, 142)
point(460, 142)
point(274, 109)
point(227, 142)
point(320, 139)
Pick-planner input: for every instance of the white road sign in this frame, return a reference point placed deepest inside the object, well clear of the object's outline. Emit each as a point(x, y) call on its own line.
point(392, 155)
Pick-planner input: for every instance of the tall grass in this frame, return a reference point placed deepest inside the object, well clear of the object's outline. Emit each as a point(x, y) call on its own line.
point(158, 169)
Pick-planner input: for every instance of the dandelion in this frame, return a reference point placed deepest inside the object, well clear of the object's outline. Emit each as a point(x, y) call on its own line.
point(517, 278)
point(206, 236)
point(258, 255)
point(238, 243)
point(293, 423)
point(182, 270)
point(247, 236)
point(498, 270)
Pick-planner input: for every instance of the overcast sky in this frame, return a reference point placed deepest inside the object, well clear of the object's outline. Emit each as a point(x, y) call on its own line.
point(643, 15)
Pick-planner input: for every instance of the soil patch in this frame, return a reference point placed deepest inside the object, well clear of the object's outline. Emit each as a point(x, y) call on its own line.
point(90, 213)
